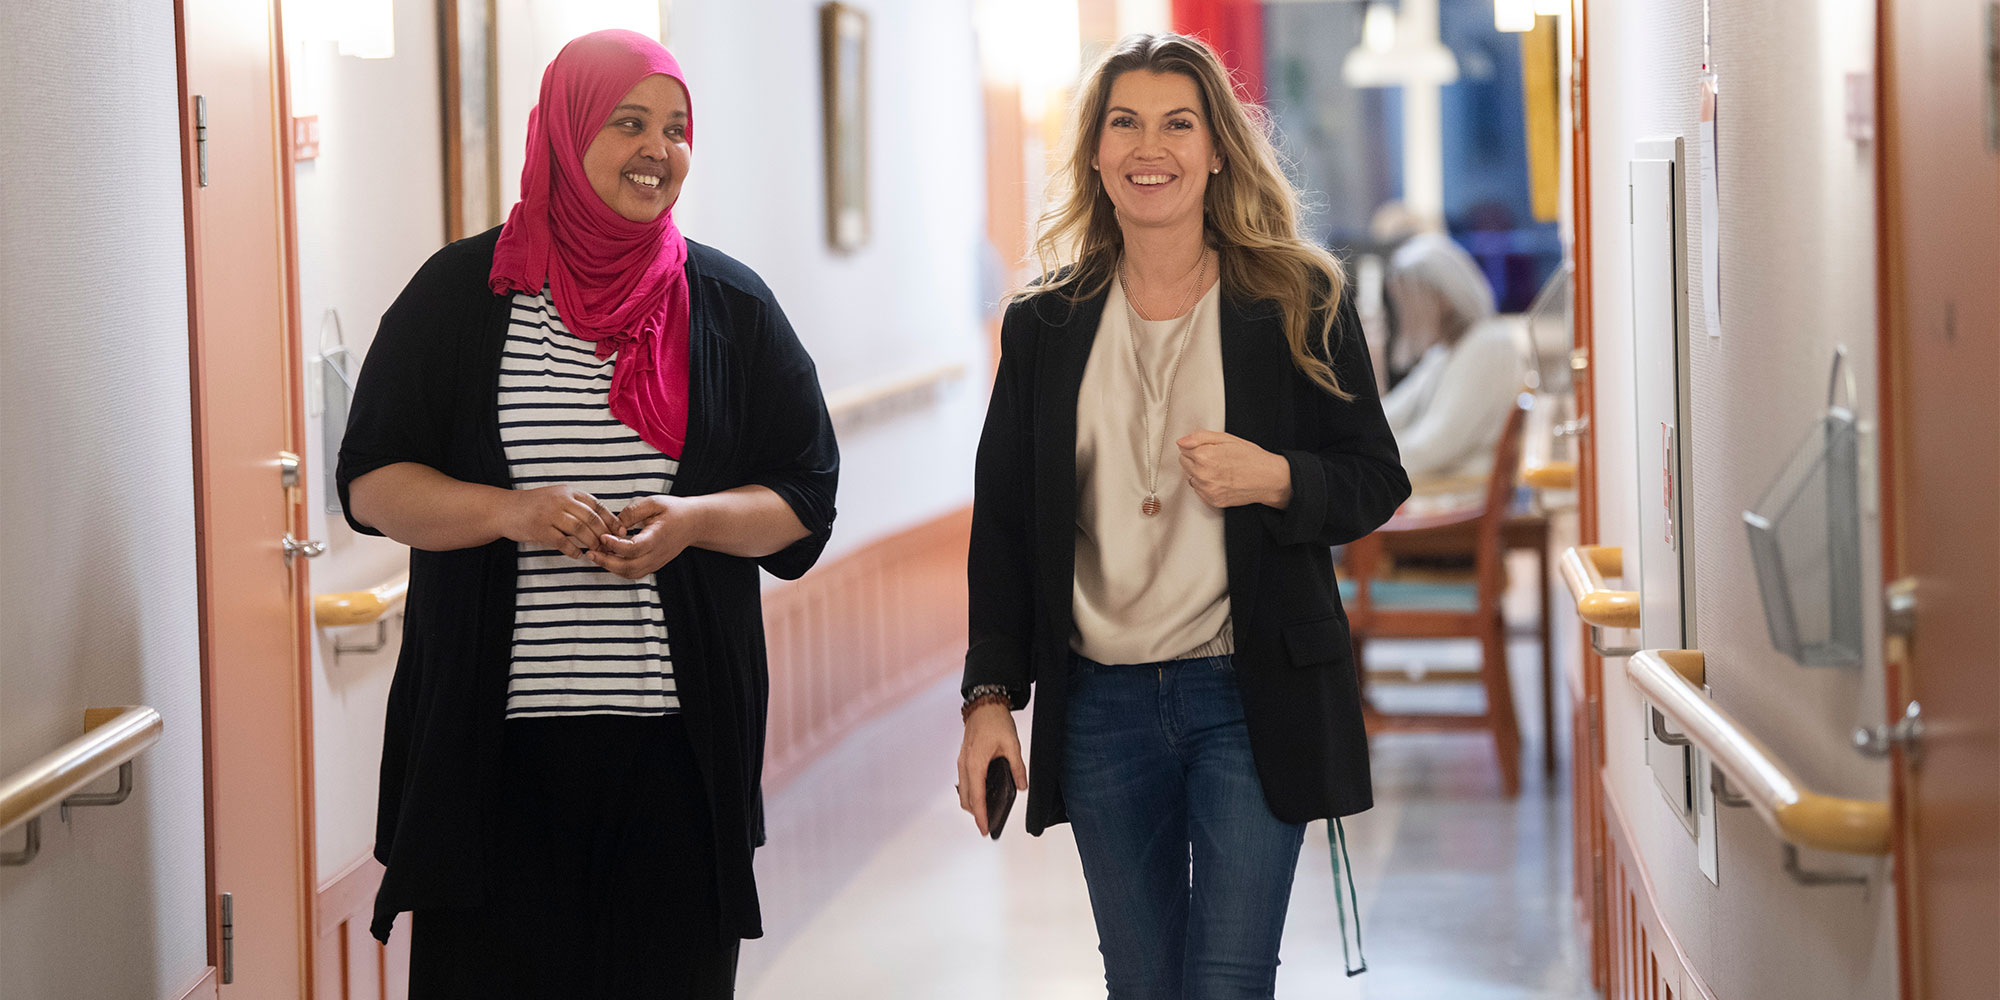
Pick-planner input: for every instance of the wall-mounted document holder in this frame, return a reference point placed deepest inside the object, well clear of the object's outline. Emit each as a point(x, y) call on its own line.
point(1805, 539)
point(335, 386)
point(1548, 448)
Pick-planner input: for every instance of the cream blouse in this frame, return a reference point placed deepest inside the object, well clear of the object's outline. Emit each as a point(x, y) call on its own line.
point(1148, 588)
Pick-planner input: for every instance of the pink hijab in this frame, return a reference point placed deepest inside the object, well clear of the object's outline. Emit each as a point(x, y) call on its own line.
point(618, 283)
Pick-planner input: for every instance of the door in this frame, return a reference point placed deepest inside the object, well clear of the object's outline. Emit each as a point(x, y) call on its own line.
point(1940, 235)
point(1587, 709)
point(247, 414)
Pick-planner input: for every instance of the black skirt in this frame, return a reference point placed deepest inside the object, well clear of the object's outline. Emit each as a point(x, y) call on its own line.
point(600, 874)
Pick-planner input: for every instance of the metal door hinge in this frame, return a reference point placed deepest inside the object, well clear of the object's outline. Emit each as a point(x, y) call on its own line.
point(228, 938)
point(201, 139)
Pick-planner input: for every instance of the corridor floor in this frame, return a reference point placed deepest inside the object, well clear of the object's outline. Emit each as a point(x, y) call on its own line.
point(876, 886)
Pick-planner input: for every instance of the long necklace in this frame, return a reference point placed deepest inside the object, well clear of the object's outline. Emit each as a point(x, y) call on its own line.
point(1151, 506)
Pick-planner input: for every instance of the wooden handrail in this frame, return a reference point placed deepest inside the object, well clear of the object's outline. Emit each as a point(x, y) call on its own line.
point(1550, 475)
point(1584, 568)
point(848, 402)
point(362, 607)
point(1671, 680)
point(111, 737)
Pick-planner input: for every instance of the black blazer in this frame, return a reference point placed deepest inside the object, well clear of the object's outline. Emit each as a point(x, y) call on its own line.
point(427, 395)
point(1295, 666)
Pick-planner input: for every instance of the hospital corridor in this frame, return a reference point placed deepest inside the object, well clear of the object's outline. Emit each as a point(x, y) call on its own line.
point(1000, 500)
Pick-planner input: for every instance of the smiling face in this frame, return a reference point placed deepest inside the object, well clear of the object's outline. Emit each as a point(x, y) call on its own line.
point(641, 155)
point(1155, 150)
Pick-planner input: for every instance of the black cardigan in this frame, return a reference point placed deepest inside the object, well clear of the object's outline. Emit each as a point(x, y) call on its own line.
point(427, 394)
point(1294, 664)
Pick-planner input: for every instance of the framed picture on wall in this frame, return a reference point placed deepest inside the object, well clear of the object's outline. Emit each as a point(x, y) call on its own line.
point(844, 56)
point(469, 39)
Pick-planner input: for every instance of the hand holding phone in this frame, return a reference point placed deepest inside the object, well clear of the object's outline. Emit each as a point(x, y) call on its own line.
point(999, 794)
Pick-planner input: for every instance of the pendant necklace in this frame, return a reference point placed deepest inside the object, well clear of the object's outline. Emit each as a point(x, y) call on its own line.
point(1151, 506)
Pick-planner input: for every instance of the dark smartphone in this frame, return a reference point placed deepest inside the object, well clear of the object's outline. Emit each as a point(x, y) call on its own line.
point(999, 795)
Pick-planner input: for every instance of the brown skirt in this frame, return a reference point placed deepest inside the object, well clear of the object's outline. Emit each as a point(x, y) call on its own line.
point(601, 875)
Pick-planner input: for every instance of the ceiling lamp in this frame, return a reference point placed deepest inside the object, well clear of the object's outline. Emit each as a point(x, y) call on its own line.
point(1388, 57)
point(1514, 15)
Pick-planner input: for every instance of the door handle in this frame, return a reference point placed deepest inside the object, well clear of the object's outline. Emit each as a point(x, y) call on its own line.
point(1907, 732)
point(295, 549)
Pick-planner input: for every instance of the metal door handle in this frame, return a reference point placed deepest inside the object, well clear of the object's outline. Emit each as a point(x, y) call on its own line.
point(298, 549)
point(1907, 732)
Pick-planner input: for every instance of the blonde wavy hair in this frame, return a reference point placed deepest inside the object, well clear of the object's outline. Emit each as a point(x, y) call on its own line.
point(1250, 213)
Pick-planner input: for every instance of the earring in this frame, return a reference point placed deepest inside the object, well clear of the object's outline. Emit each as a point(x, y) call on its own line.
point(1215, 170)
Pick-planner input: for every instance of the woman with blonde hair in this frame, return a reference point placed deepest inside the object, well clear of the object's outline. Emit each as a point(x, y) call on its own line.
point(1182, 424)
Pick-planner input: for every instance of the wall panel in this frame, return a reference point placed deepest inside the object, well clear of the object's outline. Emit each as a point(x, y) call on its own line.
point(97, 579)
point(1796, 212)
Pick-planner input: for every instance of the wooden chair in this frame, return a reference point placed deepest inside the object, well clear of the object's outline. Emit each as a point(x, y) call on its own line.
point(1444, 605)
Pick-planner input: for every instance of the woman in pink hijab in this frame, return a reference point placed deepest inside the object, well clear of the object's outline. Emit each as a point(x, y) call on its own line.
point(592, 433)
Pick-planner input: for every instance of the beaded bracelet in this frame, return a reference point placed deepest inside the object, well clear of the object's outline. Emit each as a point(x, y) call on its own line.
point(983, 694)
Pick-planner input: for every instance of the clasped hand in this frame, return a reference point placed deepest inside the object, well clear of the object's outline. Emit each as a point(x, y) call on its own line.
point(648, 534)
point(652, 532)
point(1227, 471)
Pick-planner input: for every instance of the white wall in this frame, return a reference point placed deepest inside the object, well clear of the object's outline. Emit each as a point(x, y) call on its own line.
point(97, 571)
point(531, 32)
point(908, 301)
point(370, 212)
point(1796, 218)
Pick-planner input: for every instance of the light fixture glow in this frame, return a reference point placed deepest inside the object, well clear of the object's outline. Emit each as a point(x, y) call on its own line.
point(1514, 15)
point(1378, 27)
point(365, 29)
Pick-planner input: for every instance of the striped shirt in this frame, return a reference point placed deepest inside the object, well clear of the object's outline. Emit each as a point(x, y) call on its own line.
point(586, 641)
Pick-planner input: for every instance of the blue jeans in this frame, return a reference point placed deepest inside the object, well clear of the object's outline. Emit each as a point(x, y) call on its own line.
point(1189, 873)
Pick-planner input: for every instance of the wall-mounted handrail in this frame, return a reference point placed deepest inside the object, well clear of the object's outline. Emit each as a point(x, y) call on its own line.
point(1550, 475)
point(111, 738)
point(848, 403)
point(1671, 679)
point(362, 607)
point(1584, 568)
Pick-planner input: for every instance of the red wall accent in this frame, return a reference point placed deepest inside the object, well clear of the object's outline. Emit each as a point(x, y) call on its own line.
point(1235, 29)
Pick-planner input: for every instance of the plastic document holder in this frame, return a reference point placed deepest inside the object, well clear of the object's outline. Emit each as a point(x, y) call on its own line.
point(336, 386)
point(1805, 541)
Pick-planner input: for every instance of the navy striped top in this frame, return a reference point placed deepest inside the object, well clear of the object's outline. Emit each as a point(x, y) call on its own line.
point(586, 641)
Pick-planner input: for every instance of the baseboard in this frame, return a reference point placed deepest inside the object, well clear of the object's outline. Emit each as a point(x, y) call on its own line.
point(349, 964)
point(852, 639)
point(1640, 967)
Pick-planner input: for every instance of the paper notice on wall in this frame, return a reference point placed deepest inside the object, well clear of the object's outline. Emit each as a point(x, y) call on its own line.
point(1711, 243)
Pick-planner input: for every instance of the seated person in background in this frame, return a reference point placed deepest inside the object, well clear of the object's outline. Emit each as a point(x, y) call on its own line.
point(1448, 412)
